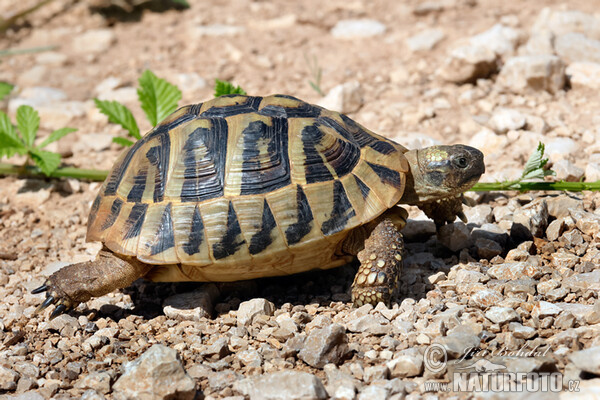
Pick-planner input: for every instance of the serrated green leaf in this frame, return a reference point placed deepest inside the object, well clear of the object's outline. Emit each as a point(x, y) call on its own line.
point(28, 122)
point(5, 89)
point(117, 113)
point(158, 98)
point(9, 146)
point(46, 160)
point(56, 135)
point(7, 127)
point(536, 160)
point(122, 141)
point(534, 174)
point(224, 87)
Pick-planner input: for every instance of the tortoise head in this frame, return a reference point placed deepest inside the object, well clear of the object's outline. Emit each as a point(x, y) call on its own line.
point(440, 172)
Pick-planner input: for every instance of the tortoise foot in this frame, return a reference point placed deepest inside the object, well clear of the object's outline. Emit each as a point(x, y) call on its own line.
point(381, 262)
point(63, 303)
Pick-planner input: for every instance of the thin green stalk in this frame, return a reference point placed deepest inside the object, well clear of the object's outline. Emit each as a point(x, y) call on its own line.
point(31, 171)
point(542, 186)
point(13, 52)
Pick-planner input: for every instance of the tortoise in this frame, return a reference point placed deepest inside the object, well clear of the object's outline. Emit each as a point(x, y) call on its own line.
point(242, 187)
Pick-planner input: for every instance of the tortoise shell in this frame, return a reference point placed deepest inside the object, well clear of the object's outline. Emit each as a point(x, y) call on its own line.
point(241, 187)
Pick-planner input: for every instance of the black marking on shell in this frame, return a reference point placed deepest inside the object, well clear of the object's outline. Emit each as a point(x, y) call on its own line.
point(273, 111)
point(139, 186)
point(195, 109)
point(204, 177)
point(94, 210)
point(342, 156)
point(115, 209)
point(159, 158)
point(230, 242)
point(287, 96)
point(135, 221)
point(263, 238)
point(356, 134)
point(192, 246)
point(117, 174)
point(263, 173)
point(341, 212)
point(296, 231)
point(364, 189)
point(303, 110)
point(382, 147)
point(164, 238)
point(250, 105)
point(387, 176)
point(315, 168)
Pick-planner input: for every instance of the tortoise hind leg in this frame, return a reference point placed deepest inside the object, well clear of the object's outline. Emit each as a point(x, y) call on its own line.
point(380, 265)
point(79, 282)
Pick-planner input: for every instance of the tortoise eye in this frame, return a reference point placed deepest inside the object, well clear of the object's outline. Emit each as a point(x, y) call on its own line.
point(461, 162)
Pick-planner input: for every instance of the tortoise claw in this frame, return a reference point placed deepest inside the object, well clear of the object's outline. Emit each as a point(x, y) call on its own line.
point(49, 300)
point(41, 289)
point(61, 308)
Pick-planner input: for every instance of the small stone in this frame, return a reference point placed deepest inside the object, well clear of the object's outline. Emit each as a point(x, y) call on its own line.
point(251, 309)
point(8, 379)
point(479, 215)
point(545, 309)
point(533, 217)
point(220, 380)
point(521, 331)
point(375, 372)
point(593, 317)
point(324, 346)
point(583, 282)
point(592, 172)
point(587, 360)
point(561, 147)
point(587, 222)
point(558, 207)
point(345, 98)
point(560, 21)
point(539, 43)
point(156, 374)
point(555, 229)
point(490, 232)
point(539, 72)
point(93, 41)
point(488, 249)
point(95, 142)
point(455, 237)
point(192, 306)
point(584, 75)
point(282, 385)
point(425, 40)
point(506, 119)
point(97, 381)
point(502, 315)
point(374, 324)
point(373, 392)
point(357, 28)
point(468, 63)
point(515, 270)
point(576, 47)
point(502, 40)
point(485, 298)
point(457, 344)
point(437, 277)
point(405, 366)
point(219, 348)
point(488, 142)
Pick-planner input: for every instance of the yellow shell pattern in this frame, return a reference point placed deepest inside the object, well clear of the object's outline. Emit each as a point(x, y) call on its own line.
point(243, 187)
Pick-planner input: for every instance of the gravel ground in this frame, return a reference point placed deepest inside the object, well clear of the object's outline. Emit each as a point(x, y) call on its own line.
point(514, 290)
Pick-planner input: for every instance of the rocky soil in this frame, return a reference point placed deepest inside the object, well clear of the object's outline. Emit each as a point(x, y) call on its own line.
point(523, 276)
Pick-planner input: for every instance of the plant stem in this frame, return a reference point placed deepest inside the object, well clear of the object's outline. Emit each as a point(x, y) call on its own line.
point(31, 171)
point(526, 186)
point(13, 52)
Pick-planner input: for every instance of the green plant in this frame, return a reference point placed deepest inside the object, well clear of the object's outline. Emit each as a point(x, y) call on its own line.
point(21, 140)
point(158, 98)
point(5, 89)
point(316, 72)
point(224, 87)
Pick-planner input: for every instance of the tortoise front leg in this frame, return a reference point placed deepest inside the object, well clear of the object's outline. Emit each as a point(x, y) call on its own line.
point(380, 265)
point(79, 282)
